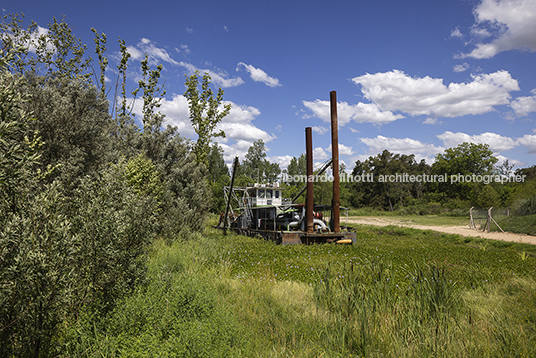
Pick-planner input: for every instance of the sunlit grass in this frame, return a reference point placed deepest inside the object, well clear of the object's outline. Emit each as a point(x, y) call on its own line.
point(396, 292)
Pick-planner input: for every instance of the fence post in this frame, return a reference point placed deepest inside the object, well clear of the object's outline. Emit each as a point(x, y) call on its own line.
point(471, 221)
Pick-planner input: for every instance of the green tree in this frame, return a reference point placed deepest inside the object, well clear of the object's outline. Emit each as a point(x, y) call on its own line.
point(297, 166)
point(256, 167)
point(74, 124)
point(100, 48)
point(216, 163)
point(56, 53)
point(18, 143)
point(378, 185)
point(205, 113)
point(484, 196)
point(466, 159)
point(142, 176)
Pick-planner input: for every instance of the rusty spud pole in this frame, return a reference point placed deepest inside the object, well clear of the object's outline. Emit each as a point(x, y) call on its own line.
point(335, 156)
point(309, 226)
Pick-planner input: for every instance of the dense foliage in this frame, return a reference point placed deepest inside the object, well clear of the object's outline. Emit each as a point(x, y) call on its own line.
point(82, 194)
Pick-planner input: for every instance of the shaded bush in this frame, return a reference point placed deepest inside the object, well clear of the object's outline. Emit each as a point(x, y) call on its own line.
point(36, 274)
point(525, 206)
point(115, 226)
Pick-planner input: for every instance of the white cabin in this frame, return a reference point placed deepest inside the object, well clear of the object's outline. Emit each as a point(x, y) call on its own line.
point(265, 195)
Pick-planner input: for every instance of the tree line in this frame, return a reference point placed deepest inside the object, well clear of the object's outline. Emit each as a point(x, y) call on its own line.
point(459, 178)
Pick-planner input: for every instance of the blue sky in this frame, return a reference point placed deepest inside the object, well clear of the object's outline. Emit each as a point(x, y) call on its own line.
point(412, 77)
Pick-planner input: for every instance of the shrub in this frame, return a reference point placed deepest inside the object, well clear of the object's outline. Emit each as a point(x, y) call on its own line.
point(525, 206)
point(36, 281)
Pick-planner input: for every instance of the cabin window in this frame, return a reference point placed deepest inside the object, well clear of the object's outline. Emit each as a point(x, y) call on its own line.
point(269, 193)
point(261, 194)
point(276, 194)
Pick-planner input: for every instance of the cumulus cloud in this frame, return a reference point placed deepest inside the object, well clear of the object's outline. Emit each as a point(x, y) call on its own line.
point(400, 146)
point(497, 142)
point(239, 129)
point(343, 150)
point(396, 91)
point(320, 153)
point(529, 141)
point(510, 23)
point(359, 113)
point(524, 105)
point(219, 78)
point(259, 75)
point(282, 160)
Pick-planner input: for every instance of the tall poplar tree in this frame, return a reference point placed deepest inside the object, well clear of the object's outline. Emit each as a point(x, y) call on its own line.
point(205, 113)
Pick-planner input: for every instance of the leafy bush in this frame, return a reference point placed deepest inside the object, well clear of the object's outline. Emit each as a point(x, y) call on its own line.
point(525, 206)
point(36, 273)
point(115, 226)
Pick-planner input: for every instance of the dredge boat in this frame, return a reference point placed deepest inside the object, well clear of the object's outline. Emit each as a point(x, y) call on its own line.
point(261, 211)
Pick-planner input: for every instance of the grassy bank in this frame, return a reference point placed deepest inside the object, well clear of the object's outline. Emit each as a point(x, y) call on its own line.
point(518, 224)
point(397, 292)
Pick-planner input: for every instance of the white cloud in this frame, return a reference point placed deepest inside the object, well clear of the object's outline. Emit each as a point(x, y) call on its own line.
point(461, 68)
point(512, 23)
point(529, 141)
point(456, 33)
point(240, 113)
point(343, 150)
point(282, 160)
point(189, 30)
point(320, 154)
point(431, 121)
point(219, 78)
point(524, 105)
point(245, 132)
point(155, 54)
point(514, 162)
point(496, 142)
point(396, 91)
point(320, 129)
point(239, 129)
point(359, 113)
point(183, 48)
point(400, 146)
point(259, 75)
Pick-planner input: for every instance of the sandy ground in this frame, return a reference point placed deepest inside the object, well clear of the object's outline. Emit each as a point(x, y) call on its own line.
point(460, 230)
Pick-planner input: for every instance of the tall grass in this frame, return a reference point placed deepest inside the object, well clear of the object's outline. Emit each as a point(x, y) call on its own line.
point(518, 224)
point(397, 293)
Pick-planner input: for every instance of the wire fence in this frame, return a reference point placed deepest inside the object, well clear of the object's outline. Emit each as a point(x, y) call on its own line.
point(483, 219)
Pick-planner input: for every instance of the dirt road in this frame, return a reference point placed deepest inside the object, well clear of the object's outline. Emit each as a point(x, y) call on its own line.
point(460, 230)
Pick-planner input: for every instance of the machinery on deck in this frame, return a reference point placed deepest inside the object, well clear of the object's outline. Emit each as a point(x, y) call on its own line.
point(260, 210)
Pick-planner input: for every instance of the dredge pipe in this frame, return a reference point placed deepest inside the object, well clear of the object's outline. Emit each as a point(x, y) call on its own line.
point(335, 204)
point(309, 224)
point(226, 222)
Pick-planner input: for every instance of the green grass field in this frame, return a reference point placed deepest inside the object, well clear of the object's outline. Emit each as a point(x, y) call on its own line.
point(398, 292)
